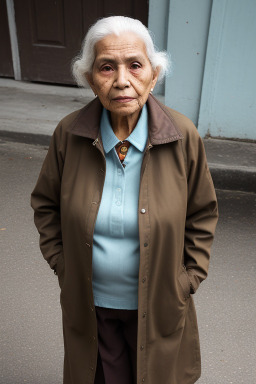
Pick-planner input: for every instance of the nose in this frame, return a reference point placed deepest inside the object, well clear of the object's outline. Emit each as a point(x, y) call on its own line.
point(122, 79)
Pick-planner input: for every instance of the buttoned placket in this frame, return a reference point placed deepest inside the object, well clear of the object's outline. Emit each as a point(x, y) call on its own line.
point(102, 173)
point(144, 262)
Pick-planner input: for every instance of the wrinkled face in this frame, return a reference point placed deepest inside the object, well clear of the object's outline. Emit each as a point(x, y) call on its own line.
point(122, 74)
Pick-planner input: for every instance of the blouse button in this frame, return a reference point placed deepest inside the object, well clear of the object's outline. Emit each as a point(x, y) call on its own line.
point(143, 210)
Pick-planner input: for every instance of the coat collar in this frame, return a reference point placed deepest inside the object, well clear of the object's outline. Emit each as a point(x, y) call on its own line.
point(161, 126)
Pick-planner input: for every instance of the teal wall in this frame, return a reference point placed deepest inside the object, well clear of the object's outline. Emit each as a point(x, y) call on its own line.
point(213, 50)
point(187, 41)
point(228, 104)
point(158, 24)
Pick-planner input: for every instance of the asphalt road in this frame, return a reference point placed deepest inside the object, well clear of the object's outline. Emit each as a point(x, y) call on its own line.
point(30, 328)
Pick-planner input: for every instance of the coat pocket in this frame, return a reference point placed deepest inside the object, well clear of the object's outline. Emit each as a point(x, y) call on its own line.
point(60, 269)
point(184, 282)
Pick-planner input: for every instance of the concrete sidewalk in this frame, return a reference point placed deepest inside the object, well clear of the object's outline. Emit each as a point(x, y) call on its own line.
point(29, 112)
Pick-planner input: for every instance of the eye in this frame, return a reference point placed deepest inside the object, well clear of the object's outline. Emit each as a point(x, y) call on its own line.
point(135, 65)
point(106, 68)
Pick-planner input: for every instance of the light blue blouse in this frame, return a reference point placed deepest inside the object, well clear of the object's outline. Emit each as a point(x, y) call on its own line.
point(116, 248)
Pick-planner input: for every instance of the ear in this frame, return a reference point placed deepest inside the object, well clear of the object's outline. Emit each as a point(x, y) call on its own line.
point(155, 76)
point(89, 79)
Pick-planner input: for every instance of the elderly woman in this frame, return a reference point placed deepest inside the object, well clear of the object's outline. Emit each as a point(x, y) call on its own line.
point(126, 211)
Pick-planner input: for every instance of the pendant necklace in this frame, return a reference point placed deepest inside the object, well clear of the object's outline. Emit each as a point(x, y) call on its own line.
point(122, 149)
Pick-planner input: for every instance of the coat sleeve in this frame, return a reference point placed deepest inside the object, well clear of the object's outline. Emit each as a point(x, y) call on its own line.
point(202, 210)
point(45, 200)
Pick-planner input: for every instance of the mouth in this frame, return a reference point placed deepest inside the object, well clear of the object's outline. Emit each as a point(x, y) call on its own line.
point(123, 99)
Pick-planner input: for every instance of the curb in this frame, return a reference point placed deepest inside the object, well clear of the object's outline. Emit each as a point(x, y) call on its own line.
point(25, 138)
point(234, 179)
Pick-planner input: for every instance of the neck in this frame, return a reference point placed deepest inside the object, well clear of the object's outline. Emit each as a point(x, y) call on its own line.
point(124, 125)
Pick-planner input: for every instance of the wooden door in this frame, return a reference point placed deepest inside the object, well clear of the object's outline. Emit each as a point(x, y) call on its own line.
point(6, 67)
point(50, 32)
point(137, 9)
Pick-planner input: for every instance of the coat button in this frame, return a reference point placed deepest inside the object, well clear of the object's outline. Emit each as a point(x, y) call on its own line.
point(143, 380)
point(145, 244)
point(141, 347)
point(144, 314)
point(143, 210)
point(144, 280)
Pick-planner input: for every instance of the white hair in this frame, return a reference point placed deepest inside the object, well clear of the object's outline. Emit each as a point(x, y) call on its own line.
point(116, 25)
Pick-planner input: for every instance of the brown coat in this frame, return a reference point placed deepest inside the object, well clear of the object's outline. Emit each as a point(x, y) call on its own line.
point(177, 219)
